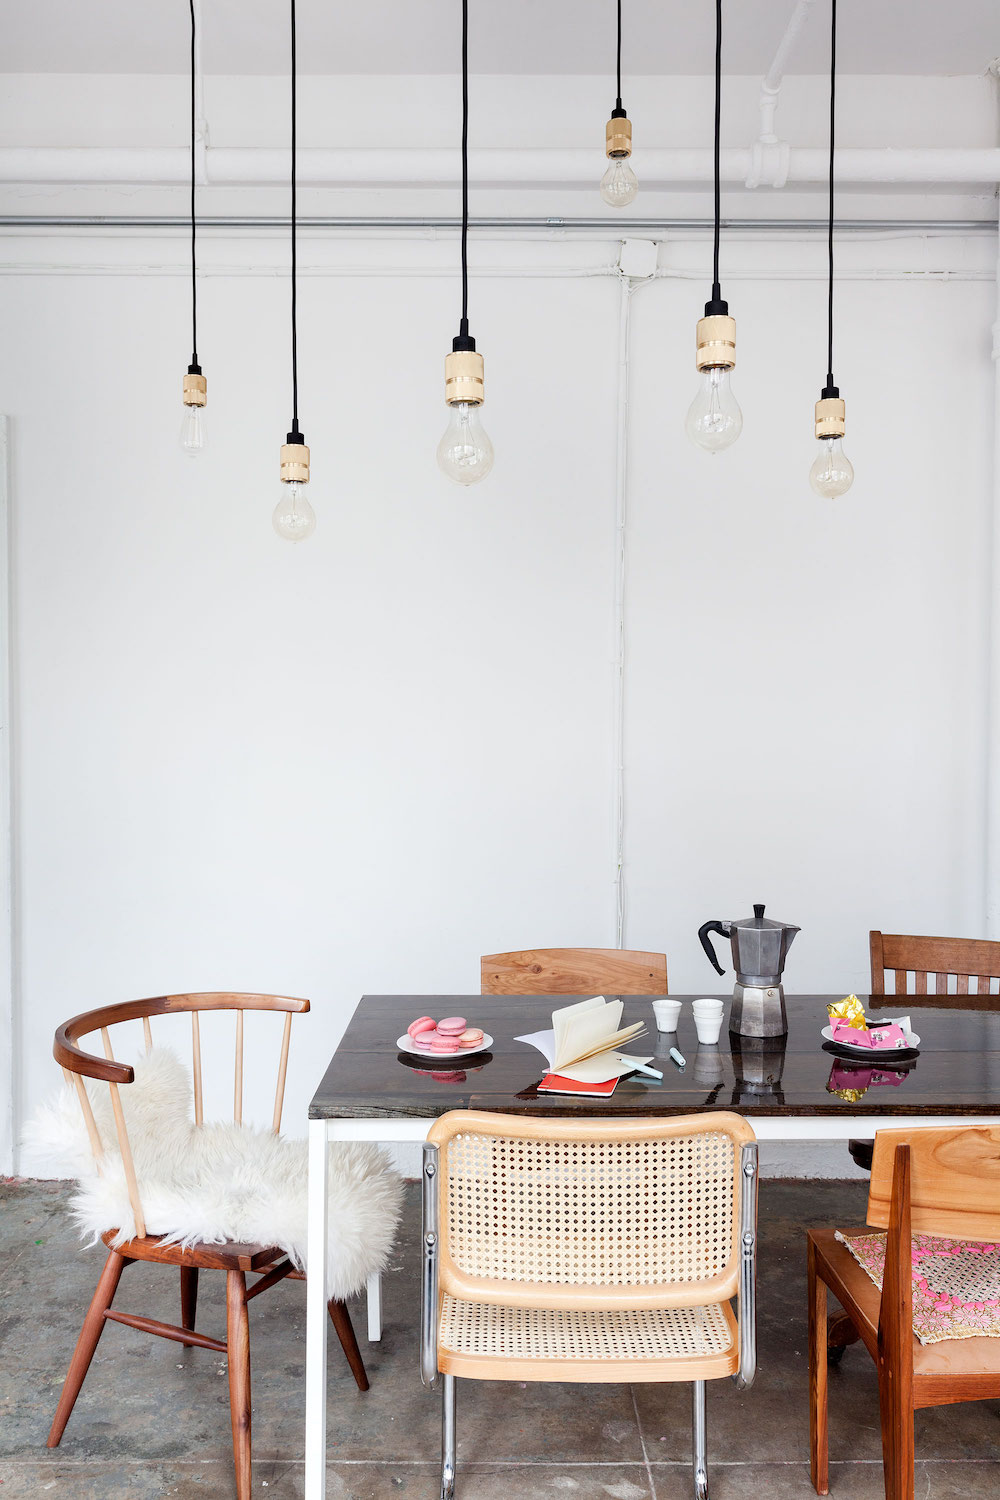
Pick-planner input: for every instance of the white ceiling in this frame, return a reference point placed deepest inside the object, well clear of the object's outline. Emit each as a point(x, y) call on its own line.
point(506, 36)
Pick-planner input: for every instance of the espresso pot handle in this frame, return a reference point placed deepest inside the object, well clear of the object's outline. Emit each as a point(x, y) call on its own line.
point(722, 928)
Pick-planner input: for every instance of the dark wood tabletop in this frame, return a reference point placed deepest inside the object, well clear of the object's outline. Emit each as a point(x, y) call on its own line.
point(956, 1073)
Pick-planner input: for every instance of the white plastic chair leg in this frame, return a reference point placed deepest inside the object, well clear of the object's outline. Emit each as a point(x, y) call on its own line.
point(700, 1440)
point(374, 1289)
point(448, 1441)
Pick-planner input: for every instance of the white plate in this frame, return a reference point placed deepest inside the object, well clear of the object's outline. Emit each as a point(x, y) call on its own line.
point(405, 1044)
point(912, 1042)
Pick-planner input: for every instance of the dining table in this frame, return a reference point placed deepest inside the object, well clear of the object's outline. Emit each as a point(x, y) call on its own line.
point(793, 1088)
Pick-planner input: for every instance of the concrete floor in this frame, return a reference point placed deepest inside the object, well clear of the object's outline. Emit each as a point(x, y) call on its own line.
point(153, 1418)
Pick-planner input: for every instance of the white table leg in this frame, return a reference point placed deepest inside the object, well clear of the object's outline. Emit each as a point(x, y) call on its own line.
point(315, 1467)
point(375, 1307)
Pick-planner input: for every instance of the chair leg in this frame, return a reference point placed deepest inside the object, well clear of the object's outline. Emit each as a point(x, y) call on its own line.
point(238, 1348)
point(448, 1437)
point(341, 1320)
point(842, 1333)
point(897, 1438)
point(699, 1423)
point(819, 1447)
point(189, 1297)
point(90, 1333)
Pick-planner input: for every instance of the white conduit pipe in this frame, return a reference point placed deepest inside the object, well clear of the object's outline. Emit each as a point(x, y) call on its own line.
point(570, 167)
point(992, 820)
point(769, 157)
point(621, 559)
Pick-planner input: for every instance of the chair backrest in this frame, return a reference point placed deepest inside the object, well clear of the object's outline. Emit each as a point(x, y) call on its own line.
point(589, 1213)
point(574, 971)
point(78, 1065)
point(969, 961)
point(954, 1180)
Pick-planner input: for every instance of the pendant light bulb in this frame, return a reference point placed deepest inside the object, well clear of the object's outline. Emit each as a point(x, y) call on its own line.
point(465, 452)
point(192, 434)
point(619, 184)
point(714, 419)
point(294, 518)
point(832, 472)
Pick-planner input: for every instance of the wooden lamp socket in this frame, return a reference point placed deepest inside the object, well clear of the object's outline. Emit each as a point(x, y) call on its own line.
point(716, 343)
point(463, 377)
point(831, 414)
point(294, 463)
point(195, 390)
point(618, 136)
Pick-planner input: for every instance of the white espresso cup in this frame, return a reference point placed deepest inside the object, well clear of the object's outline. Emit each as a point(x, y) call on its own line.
point(708, 1027)
point(667, 1013)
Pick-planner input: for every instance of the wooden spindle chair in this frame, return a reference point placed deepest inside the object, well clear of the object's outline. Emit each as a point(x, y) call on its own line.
point(574, 971)
point(973, 963)
point(237, 1260)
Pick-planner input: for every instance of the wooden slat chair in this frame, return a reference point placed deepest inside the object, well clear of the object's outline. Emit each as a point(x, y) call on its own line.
point(574, 971)
point(588, 1250)
point(973, 964)
point(934, 1181)
point(237, 1260)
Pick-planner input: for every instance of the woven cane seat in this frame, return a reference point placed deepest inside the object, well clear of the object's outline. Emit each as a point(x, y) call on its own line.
point(494, 1341)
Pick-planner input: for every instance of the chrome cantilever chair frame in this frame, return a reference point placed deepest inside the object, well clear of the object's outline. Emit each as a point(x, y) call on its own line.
point(746, 1320)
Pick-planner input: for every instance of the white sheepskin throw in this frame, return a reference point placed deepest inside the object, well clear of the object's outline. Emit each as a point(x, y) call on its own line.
point(214, 1182)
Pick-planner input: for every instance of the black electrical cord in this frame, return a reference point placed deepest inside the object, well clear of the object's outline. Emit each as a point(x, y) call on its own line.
point(194, 368)
point(294, 435)
point(833, 101)
point(618, 103)
point(463, 327)
point(716, 289)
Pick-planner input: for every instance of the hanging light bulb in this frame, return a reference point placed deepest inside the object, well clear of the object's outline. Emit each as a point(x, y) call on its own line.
point(714, 419)
point(195, 389)
point(619, 184)
point(192, 434)
point(464, 453)
point(831, 473)
point(293, 517)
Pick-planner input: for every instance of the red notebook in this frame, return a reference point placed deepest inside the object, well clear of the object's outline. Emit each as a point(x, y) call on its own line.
point(554, 1083)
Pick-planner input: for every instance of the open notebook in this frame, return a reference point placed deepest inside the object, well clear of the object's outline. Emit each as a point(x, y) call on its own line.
point(584, 1041)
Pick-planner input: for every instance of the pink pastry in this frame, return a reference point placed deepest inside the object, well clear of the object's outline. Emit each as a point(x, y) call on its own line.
point(471, 1038)
point(423, 1041)
point(441, 1043)
point(423, 1023)
point(452, 1025)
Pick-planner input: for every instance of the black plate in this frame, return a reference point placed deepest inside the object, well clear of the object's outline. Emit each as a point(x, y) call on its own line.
point(898, 1057)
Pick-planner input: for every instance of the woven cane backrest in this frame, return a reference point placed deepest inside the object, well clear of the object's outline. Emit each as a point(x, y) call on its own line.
point(589, 1213)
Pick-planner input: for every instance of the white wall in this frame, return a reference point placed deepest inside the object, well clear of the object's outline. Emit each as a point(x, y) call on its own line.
point(359, 763)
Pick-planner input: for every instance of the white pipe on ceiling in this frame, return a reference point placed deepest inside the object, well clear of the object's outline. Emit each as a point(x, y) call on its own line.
point(551, 168)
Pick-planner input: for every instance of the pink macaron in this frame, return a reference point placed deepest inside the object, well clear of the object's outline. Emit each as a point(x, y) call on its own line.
point(441, 1043)
point(422, 1023)
point(452, 1025)
point(423, 1041)
point(471, 1038)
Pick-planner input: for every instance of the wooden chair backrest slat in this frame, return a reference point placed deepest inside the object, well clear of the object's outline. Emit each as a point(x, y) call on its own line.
point(972, 962)
point(199, 1104)
point(147, 1032)
point(279, 1092)
point(238, 1079)
point(574, 971)
point(954, 1180)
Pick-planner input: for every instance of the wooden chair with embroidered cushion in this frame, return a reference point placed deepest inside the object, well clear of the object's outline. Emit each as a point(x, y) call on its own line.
point(588, 1250)
point(574, 971)
point(237, 1260)
point(942, 1182)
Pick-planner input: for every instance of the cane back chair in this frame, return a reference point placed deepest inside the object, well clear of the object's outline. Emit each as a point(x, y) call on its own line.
point(935, 1181)
point(588, 1250)
point(573, 971)
point(237, 1260)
